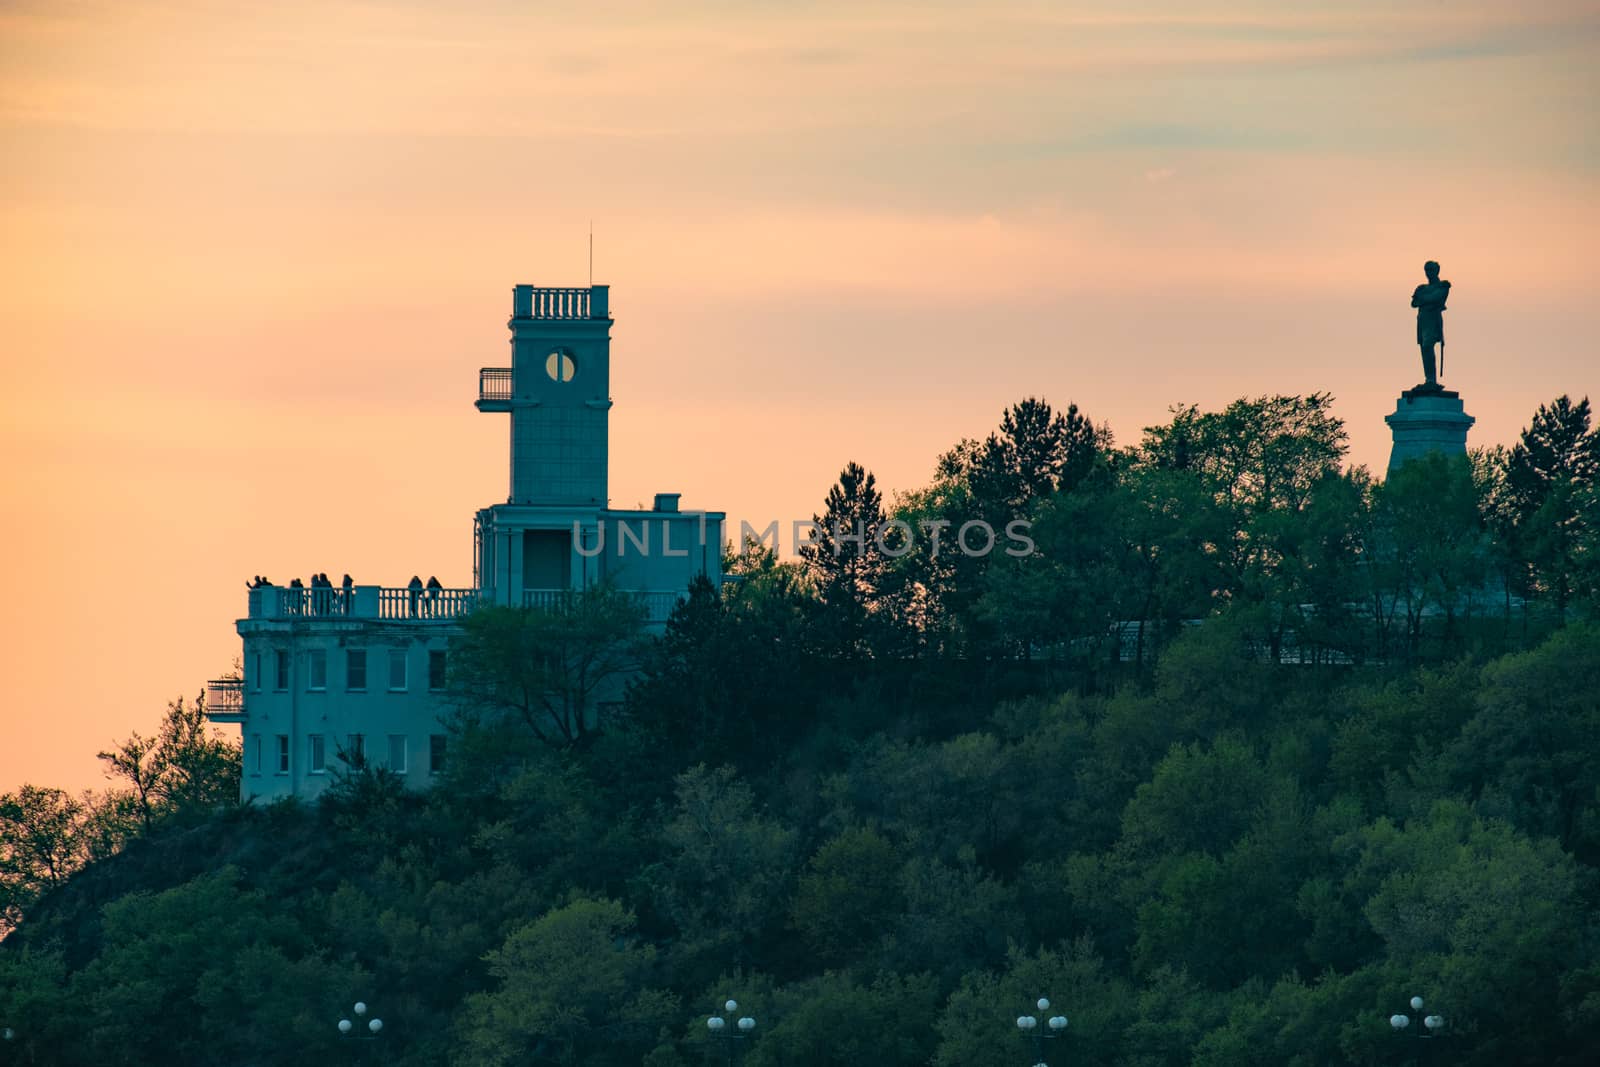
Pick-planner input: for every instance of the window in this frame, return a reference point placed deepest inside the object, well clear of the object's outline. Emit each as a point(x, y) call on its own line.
point(560, 365)
point(436, 664)
point(435, 753)
point(282, 676)
point(355, 668)
point(318, 754)
point(397, 753)
point(319, 668)
point(255, 672)
point(283, 753)
point(253, 756)
point(397, 668)
point(355, 750)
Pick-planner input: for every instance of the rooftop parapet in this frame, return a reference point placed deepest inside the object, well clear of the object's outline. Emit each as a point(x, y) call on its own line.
point(543, 302)
point(362, 602)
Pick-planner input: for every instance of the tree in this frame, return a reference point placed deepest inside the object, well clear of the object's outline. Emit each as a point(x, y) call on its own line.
point(1547, 475)
point(734, 677)
point(184, 770)
point(43, 840)
point(573, 987)
point(848, 561)
point(1427, 552)
point(724, 875)
point(834, 1020)
point(551, 670)
point(1036, 453)
point(1257, 457)
point(848, 895)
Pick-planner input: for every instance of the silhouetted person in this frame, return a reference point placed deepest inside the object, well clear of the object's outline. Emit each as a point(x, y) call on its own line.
point(415, 588)
point(1429, 300)
point(346, 594)
point(433, 594)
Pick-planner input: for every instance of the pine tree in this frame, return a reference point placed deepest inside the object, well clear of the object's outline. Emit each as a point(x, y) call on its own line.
point(1549, 477)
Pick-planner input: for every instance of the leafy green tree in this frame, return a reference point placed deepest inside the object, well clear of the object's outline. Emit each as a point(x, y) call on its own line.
point(185, 770)
point(1261, 459)
point(722, 880)
point(573, 987)
point(1429, 552)
point(848, 895)
point(734, 678)
point(206, 971)
point(833, 1020)
point(1532, 751)
point(552, 670)
point(45, 837)
point(978, 1027)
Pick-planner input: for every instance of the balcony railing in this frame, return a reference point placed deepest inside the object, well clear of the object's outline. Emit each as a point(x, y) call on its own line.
point(494, 383)
point(362, 602)
point(425, 605)
point(657, 606)
point(225, 698)
point(535, 302)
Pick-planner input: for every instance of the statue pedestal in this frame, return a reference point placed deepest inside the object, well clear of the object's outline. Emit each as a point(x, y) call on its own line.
point(1428, 420)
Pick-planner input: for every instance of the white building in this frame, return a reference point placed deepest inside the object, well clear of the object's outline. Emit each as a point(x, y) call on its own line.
point(330, 670)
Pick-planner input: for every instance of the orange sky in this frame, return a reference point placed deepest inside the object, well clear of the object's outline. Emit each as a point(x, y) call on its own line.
point(255, 254)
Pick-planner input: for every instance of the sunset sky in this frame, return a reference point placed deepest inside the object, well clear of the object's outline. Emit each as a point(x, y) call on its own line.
point(256, 253)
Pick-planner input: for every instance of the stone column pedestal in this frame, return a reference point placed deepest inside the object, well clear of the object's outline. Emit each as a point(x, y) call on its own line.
point(1428, 420)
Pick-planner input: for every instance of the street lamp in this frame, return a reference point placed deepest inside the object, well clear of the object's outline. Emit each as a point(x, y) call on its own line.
point(1029, 1025)
point(1430, 1026)
point(353, 1029)
point(739, 1031)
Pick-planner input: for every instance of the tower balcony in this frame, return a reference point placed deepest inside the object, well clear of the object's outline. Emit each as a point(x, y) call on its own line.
point(494, 389)
point(225, 700)
point(383, 603)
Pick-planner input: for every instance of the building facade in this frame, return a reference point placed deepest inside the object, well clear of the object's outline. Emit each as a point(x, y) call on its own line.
point(332, 674)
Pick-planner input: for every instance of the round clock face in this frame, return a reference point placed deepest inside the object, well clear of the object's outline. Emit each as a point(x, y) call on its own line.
point(560, 366)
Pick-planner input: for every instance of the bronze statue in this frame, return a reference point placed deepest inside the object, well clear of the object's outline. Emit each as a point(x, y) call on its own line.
point(1429, 300)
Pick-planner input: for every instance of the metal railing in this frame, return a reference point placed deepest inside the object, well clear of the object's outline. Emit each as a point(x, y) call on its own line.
point(494, 383)
point(225, 696)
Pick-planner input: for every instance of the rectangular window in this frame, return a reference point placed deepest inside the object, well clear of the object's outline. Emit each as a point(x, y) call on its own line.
point(283, 753)
point(436, 670)
point(318, 754)
point(355, 750)
point(397, 753)
point(355, 668)
point(255, 672)
point(281, 679)
point(253, 756)
point(435, 753)
point(319, 669)
point(397, 668)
